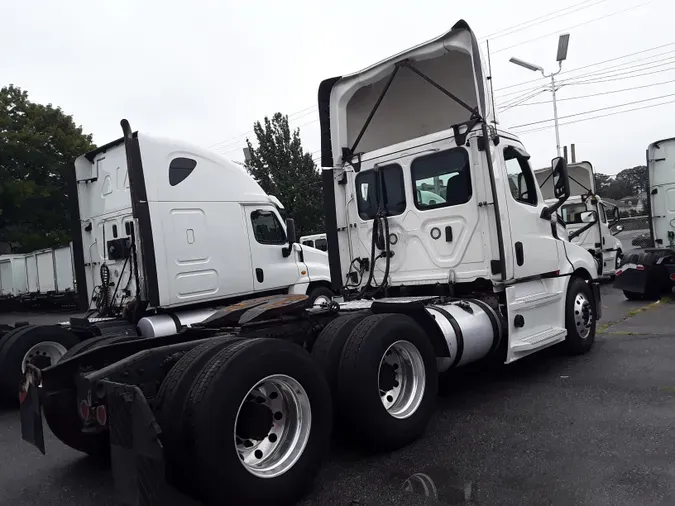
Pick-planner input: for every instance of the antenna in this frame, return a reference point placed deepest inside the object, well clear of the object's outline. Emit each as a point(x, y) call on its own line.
point(492, 91)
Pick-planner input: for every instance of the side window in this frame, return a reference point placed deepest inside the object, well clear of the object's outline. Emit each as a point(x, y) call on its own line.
point(521, 180)
point(441, 179)
point(321, 244)
point(603, 214)
point(392, 194)
point(266, 228)
point(308, 243)
point(179, 169)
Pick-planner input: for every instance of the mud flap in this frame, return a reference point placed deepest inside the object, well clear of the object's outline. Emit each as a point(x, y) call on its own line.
point(632, 280)
point(31, 414)
point(136, 452)
point(595, 286)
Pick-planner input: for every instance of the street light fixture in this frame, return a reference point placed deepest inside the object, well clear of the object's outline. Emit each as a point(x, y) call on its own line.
point(563, 43)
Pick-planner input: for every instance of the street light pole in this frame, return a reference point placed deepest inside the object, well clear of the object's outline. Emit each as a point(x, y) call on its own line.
point(563, 43)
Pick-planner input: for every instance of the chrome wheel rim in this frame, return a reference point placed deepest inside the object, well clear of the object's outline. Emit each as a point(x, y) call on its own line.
point(321, 301)
point(583, 315)
point(272, 426)
point(43, 355)
point(401, 379)
point(618, 260)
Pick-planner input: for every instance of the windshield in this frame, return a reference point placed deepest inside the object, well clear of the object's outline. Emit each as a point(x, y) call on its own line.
point(571, 213)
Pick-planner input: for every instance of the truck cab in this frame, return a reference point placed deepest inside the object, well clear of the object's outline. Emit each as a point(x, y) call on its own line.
point(589, 221)
point(650, 273)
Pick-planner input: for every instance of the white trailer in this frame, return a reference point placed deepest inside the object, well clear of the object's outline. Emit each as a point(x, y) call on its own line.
point(13, 280)
point(238, 408)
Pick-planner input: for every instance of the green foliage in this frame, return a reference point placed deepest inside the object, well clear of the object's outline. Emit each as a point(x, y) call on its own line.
point(627, 183)
point(282, 169)
point(38, 145)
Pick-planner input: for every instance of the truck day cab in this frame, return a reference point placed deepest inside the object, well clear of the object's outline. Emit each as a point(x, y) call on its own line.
point(238, 409)
point(650, 273)
point(588, 219)
point(211, 236)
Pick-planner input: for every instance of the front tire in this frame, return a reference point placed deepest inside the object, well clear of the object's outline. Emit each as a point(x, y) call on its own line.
point(260, 416)
point(319, 296)
point(387, 382)
point(580, 317)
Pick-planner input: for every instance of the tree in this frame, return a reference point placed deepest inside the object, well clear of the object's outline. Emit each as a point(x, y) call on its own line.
point(635, 179)
point(283, 169)
point(602, 184)
point(38, 145)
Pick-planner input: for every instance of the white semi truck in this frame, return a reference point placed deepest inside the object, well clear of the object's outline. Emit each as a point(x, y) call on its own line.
point(212, 237)
point(590, 222)
point(650, 273)
point(239, 408)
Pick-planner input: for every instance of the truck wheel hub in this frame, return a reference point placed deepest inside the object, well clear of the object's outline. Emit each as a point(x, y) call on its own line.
point(272, 426)
point(401, 379)
point(43, 355)
point(583, 315)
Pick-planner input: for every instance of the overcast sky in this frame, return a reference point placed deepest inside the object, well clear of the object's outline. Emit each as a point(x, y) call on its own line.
point(205, 71)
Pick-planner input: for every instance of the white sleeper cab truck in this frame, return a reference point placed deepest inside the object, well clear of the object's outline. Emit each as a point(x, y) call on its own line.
point(238, 409)
point(317, 241)
point(649, 273)
point(589, 221)
point(210, 236)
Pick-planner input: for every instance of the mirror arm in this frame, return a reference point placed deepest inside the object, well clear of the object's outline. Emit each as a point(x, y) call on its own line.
point(547, 212)
point(581, 230)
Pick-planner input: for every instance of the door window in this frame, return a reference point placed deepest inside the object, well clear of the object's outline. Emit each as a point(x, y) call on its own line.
point(321, 244)
point(441, 179)
point(392, 193)
point(266, 228)
point(308, 243)
point(521, 180)
point(572, 213)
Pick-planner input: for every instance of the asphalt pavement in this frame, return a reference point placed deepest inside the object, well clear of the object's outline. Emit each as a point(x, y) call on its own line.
point(549, 429)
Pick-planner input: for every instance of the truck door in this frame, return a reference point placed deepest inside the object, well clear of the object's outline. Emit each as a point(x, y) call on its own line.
point(535, 249)
point(661, 169)
point(609, 251)
point(267, 237)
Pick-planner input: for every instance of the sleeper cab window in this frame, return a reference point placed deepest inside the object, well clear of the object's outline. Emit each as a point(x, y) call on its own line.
point(391, 195)
point(521, 181)
point(441, 179)
point(266, 228)
point(179, 169)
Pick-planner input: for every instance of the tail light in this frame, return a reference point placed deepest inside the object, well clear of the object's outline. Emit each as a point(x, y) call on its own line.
point(84, 410)
point(640, 267)
point(101, 415)
point(619, 271)
point(672, 277)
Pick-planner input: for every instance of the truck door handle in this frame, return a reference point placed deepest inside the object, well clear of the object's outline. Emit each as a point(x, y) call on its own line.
point(259, 274)
point(520, 260)
point(448, 234)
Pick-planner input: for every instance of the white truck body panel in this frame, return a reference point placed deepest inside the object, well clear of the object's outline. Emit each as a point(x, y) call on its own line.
point(45, 270)
point(63, 268)
point(13, 281)
point(32, 273)
point(661, 170)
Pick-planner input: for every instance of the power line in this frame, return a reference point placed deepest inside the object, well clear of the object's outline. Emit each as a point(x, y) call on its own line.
point(575, 26)
point(624, 71)
point(610, 79)
point(596, 94)
point(540, 129)
point(556, 14)
point(595, 110)
point(521, 100)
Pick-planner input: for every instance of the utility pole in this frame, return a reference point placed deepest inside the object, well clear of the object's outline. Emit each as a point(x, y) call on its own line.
point(563, 43)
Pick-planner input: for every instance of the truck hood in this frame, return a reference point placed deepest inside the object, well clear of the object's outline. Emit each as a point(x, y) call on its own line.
point(581, 180)
point(452, 61)
point(317, 263)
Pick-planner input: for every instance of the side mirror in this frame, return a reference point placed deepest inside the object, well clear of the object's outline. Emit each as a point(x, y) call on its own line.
point(588, 217)
point(291, 236)
point(561, 186)
point(618, 229)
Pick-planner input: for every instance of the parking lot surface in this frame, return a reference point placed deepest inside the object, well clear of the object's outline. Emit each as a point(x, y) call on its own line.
point(549, 429)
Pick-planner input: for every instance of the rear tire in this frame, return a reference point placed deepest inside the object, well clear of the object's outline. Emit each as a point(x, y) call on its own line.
point(580, 317)
point(170, 410)
point(386, 352)
point(43, 345)
point(62, 415)
point(327, 350)
point(633, 295)
point(228, 410)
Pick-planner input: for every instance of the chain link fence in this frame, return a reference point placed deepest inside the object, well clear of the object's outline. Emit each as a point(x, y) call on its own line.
point(635, 232)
